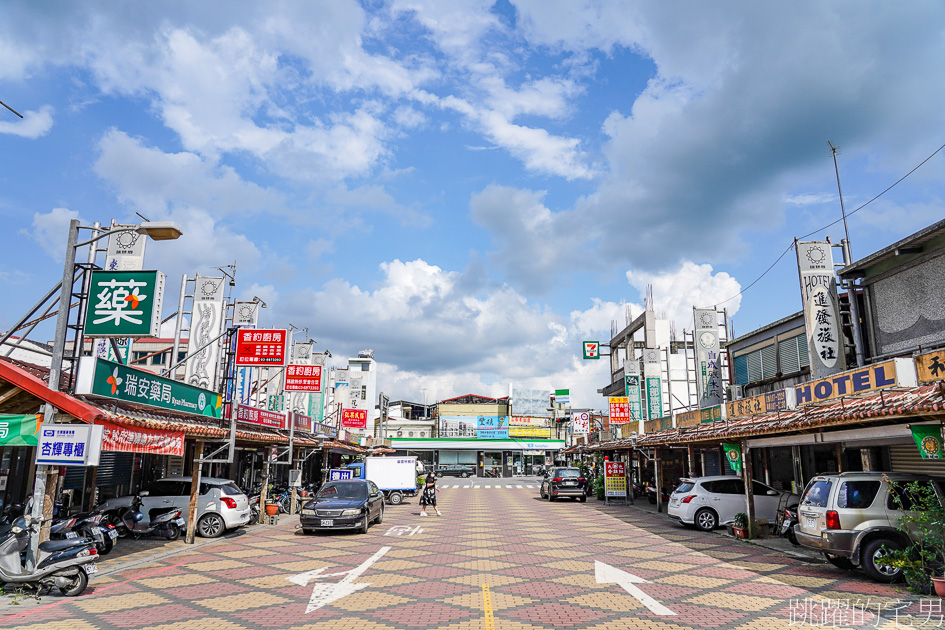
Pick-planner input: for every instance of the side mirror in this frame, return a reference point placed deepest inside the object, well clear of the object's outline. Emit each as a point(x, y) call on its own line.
point(772, 493)
point(144, 493)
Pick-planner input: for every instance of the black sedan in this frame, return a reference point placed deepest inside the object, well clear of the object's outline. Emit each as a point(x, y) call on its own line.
point(564, 482)
point(455, 470)
point(351, 504)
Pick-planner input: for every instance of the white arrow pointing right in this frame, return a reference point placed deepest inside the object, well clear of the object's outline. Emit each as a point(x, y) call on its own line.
point(606, 574)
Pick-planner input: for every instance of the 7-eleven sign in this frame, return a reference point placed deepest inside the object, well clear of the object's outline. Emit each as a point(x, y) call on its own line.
point(591, 349)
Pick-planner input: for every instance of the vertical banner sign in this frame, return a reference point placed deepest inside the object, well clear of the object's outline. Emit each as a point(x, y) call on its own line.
point(631, 377)
point(619, 410)
point(245, 314)
point(928, 437)
point(581, 423)
point(261, 347)
point(354, 418)
point(124, 304)
point(201, 369)
point(821, 307)
point(708, 357)
point(125, 249)
point(591, 349)
point(615, 480)
point(733, 454)
point(652, 373)
point(304, 374)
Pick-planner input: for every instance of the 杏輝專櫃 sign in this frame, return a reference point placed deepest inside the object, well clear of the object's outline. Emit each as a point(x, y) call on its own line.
point(69, 444)
point(354, 418)
point(124, 304)
point(98, 377)
point(303, 378)
point(260, 347)
point(894, 372)
point(262, 417)
point(615, 479)
point(619, 410)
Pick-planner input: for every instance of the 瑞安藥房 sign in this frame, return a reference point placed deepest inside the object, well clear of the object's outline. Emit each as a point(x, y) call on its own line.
point(19, 430)
point(895, 372)
point(124, 304)
point(98, 377)
point(69, 444)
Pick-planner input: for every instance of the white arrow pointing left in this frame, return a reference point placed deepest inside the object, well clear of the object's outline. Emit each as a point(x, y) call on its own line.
point(323, 594)
point(606, 574)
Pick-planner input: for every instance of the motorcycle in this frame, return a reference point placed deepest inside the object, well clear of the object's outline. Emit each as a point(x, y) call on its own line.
point(788, 521)
point(253, 510)
point(167, 522)
point(62, 564)
point(651, 495)
point(86, 525)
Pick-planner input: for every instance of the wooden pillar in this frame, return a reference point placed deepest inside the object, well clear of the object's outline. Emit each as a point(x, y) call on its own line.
point(656, 479)
point(690, 463)
point(839, 457)
point(194, 493)
point(749, 495)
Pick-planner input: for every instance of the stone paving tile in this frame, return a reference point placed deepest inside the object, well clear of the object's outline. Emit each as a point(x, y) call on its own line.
point(536, 558)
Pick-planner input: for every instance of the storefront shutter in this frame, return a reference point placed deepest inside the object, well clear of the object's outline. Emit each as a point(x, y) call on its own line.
point(114, 468)
point(711, 460)
point(769, 361)
point(755, 372)
point(790, 361)
point(741, 369)
point(905, 458)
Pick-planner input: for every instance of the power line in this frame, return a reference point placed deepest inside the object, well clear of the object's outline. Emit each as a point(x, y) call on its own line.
point(829, 225)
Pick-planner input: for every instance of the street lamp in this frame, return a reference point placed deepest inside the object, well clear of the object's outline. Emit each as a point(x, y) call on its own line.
point(157, 230)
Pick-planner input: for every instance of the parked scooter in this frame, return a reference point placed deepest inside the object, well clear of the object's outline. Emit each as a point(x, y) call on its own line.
point(62, 564)
point(651, 495)
point(86, 525)
point(788, 521)
point(164, 521)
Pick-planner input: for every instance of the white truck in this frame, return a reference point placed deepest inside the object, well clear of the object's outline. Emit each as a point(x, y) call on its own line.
point(396, 476)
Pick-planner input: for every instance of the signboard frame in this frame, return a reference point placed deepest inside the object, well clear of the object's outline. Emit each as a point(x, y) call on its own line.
point(265, 348)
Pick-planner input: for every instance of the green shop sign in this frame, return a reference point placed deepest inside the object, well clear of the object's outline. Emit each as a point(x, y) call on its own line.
point(98, 377)
point(124, 304)
point(19, 430)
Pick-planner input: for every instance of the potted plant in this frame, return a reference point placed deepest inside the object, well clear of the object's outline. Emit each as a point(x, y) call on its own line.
point(729, 527)
point(923, 523)
point(740, 525)
point(597, 486)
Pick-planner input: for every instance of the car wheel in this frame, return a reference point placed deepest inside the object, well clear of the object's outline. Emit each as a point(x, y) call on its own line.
point(380, 516)
point(365, 525)
point(551, 497)
point(584, 499)
point(871, 554)
point(211, 525)
point(706, 520)
point(838, 561)
point(395, 498)
point(464, 475)
point(439, 475)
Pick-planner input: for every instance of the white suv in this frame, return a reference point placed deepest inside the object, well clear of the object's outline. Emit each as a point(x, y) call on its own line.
point(707, 502)
point(220, 506)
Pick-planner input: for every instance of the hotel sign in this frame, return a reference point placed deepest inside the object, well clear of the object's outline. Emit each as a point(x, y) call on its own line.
point(931, 366)
point(892, 373)
point(768, 402)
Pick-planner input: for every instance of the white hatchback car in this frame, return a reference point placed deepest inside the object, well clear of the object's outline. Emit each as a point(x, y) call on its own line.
point(220, 506)
point(708, 502)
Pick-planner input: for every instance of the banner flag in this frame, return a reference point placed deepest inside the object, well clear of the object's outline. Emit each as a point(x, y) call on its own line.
point(733, 453)
point(928, 437)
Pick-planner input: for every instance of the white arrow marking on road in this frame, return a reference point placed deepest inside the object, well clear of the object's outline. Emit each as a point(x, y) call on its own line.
point(606, 574)
point(324, 594)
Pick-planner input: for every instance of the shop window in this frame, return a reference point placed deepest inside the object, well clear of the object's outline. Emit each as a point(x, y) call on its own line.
point(817, 494)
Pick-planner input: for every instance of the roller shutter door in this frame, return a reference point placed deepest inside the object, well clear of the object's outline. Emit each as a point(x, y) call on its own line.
point(905, 458)
point(711, 461)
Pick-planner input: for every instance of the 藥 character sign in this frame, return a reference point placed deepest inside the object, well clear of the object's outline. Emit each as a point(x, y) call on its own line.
point(124, 304)
point(261, 347)
point(303, 378)
point(354, 418)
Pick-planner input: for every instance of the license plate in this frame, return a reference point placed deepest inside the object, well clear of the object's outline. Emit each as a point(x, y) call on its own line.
point(810, 522)
point(180, 522)
point(570, 483)
point(673, 501)
point(113, 534)
point(72, 535)
point(91, 568)
point(327, 523)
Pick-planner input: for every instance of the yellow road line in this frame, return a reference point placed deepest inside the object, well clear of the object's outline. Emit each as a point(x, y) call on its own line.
point(487, 607)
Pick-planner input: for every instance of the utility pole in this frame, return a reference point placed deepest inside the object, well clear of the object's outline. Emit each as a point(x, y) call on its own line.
point(847, 260)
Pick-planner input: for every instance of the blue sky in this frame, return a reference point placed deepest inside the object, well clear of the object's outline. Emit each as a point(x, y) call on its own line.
point(470, 188)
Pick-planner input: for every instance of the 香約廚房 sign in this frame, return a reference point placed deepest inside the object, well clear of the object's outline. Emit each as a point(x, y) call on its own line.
point(303, 378)
point(260, 347)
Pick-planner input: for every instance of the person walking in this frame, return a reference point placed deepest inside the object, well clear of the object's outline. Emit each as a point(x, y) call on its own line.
point(428, 497)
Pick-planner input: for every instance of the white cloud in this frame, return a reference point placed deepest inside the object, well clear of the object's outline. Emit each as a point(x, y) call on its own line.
point(51, 230)
point(35, 124)
point(676, 292)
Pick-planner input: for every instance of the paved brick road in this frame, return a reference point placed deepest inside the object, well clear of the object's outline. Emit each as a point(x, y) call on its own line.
point(498, 558)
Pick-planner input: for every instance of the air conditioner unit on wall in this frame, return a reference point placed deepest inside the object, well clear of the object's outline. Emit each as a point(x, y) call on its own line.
point(734, 392)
